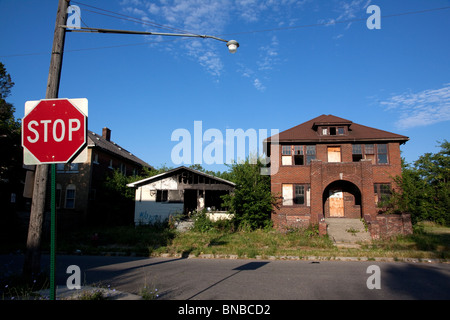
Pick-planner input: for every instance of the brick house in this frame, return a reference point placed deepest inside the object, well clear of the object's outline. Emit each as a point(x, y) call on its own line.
point(80, 198)
point(330, 167)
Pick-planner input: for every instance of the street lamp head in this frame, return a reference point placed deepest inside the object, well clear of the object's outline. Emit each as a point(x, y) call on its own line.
point(232, 46)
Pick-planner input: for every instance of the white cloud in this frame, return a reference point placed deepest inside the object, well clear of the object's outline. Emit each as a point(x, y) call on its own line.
point(347, 10)
point(269, 55)
point(352, 9)
point(421, 109)
point(258, 85)
point(212, 17)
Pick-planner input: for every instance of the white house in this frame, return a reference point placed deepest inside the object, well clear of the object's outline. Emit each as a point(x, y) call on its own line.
point(178, 191)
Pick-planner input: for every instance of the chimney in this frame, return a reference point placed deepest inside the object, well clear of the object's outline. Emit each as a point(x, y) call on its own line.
point(106, 134)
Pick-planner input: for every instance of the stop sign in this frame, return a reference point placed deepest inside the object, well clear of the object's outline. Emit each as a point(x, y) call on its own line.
point(54, 130)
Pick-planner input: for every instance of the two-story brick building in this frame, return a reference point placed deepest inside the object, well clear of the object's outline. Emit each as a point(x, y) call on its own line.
point(80, 193)
point(330, 167)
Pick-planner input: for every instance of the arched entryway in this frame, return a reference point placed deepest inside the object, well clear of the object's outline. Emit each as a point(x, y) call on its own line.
point(341, 199)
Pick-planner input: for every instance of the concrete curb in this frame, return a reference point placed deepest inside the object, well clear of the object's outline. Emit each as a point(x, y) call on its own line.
point(307, 258)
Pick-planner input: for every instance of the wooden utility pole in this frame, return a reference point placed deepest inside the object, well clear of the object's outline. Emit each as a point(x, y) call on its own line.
point(32, 263)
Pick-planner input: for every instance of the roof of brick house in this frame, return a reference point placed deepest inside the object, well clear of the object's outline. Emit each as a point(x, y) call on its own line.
point(103, 142)
point(307, 132)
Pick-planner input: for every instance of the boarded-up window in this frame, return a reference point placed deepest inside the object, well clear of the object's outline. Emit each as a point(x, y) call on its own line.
point(175, 196)
point(286, 156)
point(296, 194)
point(287, 195)
point(334, 154)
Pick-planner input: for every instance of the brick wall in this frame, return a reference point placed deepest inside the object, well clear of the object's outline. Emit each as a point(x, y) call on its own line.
point(320, 174)
point(389, 225)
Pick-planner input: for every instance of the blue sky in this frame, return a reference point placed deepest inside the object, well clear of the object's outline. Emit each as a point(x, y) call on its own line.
point(296, 61)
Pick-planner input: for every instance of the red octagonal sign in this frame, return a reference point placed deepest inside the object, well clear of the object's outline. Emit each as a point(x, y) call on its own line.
point(54, 130)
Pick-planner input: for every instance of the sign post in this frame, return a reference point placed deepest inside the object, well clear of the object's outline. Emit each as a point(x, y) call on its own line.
point(54, 131)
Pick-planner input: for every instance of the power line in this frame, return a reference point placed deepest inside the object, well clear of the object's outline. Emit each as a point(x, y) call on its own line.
point(229, 34)
point(129, 18)
point(333, 22)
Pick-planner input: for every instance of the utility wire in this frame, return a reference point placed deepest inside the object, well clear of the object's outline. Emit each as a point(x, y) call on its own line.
point(237, 33)
point(333, 22)
point(130, 18)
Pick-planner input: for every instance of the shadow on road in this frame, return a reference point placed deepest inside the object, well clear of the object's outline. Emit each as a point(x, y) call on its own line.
point(419, 282)
point(245, 267)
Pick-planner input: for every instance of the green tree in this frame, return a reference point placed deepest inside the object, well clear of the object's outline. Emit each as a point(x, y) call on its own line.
point(115, 204)
point(11, 158)
point(252, 201)
point(425, 187)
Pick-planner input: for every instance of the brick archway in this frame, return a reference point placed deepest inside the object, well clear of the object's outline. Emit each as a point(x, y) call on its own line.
point(342, 198)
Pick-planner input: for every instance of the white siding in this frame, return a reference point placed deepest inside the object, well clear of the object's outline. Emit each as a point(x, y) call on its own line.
point(147, 210)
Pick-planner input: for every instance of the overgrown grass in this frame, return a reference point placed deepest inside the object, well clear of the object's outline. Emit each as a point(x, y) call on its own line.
point(250, 244)
point(221, 239)
point(140, 240)
point(429, 241)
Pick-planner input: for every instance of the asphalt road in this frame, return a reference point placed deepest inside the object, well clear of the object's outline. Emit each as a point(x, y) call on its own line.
point(245, 279)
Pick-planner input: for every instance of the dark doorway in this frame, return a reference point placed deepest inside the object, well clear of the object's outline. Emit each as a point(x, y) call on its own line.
point(342, 199)
point(190, 200)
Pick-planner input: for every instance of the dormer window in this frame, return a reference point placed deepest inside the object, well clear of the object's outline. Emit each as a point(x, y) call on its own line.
point(332, 131)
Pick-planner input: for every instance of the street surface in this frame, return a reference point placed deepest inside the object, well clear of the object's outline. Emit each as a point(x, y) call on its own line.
point(247, 279)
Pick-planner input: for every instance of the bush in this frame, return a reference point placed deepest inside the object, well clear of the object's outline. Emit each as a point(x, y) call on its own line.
point(201, 222)
point(252, 201)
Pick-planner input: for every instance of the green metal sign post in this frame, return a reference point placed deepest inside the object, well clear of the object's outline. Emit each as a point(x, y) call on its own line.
point(53, 233)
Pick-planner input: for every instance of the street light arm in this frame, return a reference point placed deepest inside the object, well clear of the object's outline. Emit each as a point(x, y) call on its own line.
point(232, 44)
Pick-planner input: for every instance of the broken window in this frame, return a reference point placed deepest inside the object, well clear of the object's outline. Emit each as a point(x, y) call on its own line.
point(356, 152)
point(295, 155)
point(286, 156)
point(298, 156)
point(378, 153)
point(332, 131)
point(369, 151)
point(299, 194)
point(382, 192)
point(310, 153)
point(161, 195)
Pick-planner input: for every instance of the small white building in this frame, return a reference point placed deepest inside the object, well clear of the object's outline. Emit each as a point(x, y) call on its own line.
point(179, 191)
